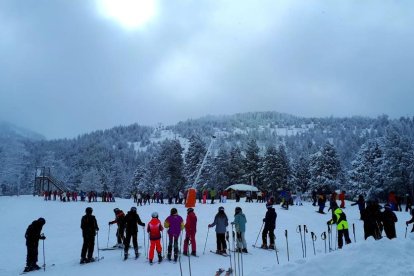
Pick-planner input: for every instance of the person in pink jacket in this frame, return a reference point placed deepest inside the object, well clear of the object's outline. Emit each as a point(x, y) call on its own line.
point(190, 232)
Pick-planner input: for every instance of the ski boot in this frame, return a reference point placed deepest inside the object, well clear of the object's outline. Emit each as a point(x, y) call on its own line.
point(82, 260)
point(272, 246)
point(175, 258)
point(185, 253)
point(90, 260)
point(125, 256)
point(264, 246)
point(169, 256)
point(244, 250)
point(159, 258)
point(193, 254)
point(36, 267)
point(136, 254)
point(27, 269)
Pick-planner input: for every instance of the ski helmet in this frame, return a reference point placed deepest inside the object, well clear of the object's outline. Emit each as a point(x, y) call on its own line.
point(173, 211)
point(42, 221)
point(134, 209)
point(154, 215)
point(238, 209)
point(221, 208)
point(190, 210)
point(269, 205)
point(116, 210)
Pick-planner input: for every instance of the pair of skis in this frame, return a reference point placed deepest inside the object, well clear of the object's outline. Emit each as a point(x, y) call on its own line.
point(221, 270)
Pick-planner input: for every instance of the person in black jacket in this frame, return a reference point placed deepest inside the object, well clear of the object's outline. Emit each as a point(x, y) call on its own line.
point(388, 219)
point(89, 228)
point(269, 227)
point(361, 205)
point(372, 220)
point(411, 220)
point(131, 221)
point(32, 242)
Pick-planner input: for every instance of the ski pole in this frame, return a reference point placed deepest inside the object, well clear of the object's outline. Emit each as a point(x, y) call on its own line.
point(162, 242)
point(287, 244)
point(145, 245)
point(277, 256)
point(109, 231)
point(299, 230)
point(204, 251)
point(189, 257)
point(241, 256)
point(97, 243)
point(329, 237)
point(353, 229)
point(305, 230)
point(44, 258)
point(406, 228)
point(179, 256)
point(336, 239)
point(323, 237)
point(313, 242)
point(234, 251)
point(229, 245)
point(255, 244)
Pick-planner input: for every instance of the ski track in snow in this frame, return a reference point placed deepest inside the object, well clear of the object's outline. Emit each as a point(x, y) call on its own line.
point(64, 241)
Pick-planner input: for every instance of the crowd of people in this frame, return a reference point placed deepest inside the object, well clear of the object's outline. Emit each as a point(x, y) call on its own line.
point(91, 196)
point(375, 217)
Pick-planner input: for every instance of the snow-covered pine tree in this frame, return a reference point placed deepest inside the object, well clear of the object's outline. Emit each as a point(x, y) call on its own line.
point(268, 171)
point(172, 167)
point(325, 169)
point(365, 176)
point(194, 157)
point(252, 163)
point(235, 170)
point(301, 173)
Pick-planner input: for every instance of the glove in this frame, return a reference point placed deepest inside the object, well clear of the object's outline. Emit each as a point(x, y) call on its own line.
point(264, 220)
point(42, 237)
point(97, 228)
point(328, 223)
point(406, 223)
point(109, 223)
point(209, 226)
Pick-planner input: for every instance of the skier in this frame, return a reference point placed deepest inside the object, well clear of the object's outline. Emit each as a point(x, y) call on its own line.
point(411, 220)
point(408, 202)
point(190, 232)
point(388, 219)
point(120, 221)
point(314, 197)
point(339, 218)
point(89, 228)
point(213, 194)
point(298, 199)
point(342, 199)
point(240, 223)
point(174, 223)
point(131, 221)
point(221, 222)
point(154, 230)
point(269, 227)
point(361, 205)
point(321, 202)
point(32, 242)
point(371, 218)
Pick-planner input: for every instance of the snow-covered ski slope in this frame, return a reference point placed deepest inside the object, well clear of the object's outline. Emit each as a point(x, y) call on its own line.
point(64, 241)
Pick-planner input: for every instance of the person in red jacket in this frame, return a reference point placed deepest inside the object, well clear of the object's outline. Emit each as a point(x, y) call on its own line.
point(190, 232)
point(120, 221)
point(341, 197)
point(154, 230)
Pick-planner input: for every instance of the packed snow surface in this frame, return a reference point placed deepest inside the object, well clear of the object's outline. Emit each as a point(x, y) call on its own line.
point(64, 241)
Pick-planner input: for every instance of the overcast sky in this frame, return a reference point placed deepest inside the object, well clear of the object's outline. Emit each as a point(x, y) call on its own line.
point(72, 66)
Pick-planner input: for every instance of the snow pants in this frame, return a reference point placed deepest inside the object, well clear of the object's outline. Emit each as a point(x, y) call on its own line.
point(120, 234)
point(343, 233)
point(190, 237)
point(172, 242)
point(221, 241)
point(155, 244)
point(31, 258)
point(127, 240)
point(267, 231)
point(241, 241)
point(88, 246)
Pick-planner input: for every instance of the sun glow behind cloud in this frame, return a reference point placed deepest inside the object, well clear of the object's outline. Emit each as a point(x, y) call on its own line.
point(130, 14)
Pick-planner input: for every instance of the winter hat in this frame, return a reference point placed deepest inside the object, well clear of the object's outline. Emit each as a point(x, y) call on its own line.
point(190, 210)
point(42, 221)
point(221, 208)
point(154, 215)
point(238, 210)
point(134, 209)
point(173, 211)
point(88, 210)
point(269, 205)
point(116, 210)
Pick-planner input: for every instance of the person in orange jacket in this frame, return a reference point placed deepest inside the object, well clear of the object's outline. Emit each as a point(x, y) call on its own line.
point(154, 230)
point(341, 197)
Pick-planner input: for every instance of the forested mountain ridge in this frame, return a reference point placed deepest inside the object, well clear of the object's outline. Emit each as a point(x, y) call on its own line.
point(274, 150)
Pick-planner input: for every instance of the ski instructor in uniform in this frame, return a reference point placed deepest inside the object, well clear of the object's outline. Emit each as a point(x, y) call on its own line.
point(89, 228)
point(32, 242)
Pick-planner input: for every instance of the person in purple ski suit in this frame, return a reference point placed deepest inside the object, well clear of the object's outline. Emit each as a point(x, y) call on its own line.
point(175, 224)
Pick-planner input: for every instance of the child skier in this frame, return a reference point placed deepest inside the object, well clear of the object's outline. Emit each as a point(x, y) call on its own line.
point(120, 221)
point(174, 223)
point(240, 224)
point(154, 230)
point(190, 232)
point(269, 227)
point(339, 218)
point(32, 242)
point(388, 219)
point(221, 222)
point(132, 219)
